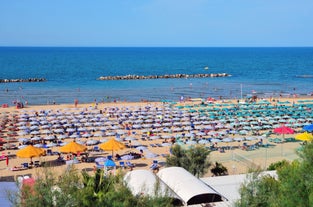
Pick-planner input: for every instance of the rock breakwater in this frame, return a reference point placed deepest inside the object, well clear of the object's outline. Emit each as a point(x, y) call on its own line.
point(22, 80)
point(141, 77)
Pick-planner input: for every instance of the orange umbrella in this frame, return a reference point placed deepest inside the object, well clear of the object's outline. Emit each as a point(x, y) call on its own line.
point(112, 145)
point(73, 147)
point(30, 151)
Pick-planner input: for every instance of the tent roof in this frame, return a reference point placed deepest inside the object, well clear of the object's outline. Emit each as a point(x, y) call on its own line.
point(229, 185)
point(144, 182)
point(189, 188)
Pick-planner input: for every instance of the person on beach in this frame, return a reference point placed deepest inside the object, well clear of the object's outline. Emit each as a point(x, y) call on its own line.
point(76, 102)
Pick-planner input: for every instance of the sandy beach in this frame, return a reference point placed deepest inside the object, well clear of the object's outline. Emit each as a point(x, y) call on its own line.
point(234, 157)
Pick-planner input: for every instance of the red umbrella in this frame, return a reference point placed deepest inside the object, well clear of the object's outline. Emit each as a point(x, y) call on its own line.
point(284, 130)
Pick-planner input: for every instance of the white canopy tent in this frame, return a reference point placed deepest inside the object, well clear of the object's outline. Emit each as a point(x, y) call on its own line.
point(190, 189)
point(146, 183)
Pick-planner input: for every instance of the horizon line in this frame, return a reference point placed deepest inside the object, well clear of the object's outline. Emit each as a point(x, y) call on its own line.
point(42, 46)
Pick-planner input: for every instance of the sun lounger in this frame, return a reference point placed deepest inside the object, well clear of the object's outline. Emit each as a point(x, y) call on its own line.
point(15, 168)
point(37, 164)
point(129, 164)
point(122, 164)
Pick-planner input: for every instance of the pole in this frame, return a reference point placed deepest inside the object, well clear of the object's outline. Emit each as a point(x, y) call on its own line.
point(241, 91)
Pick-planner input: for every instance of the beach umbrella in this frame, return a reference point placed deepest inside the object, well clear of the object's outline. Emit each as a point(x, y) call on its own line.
point(227, 140)
point(109, 163)
point(151, 155)
point(51, 144)
point(141, 148)
point(191, 142)
point(92, 142)
point(239, 139)
point(308, 128)
point(166, 144)
point(101, 159)
point(127, 157)
point(73, 147)
point(203, 141)
point(112, 145)
point(30, 151)
point(304, 136)
point(283, 130)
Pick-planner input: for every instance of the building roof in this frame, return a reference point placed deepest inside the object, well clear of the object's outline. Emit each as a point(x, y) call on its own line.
point(190, 189)
point(144, 182)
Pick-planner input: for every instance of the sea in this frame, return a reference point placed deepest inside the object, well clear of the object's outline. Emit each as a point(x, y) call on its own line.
point(72, 73)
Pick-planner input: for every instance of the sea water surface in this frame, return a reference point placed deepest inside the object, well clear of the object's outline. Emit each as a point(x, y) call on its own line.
point(72, 73)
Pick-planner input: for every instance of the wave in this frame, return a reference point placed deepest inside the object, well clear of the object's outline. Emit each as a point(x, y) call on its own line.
point(304, 76)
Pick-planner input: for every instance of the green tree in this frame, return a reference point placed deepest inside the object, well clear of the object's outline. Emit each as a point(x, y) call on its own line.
point(277, 165)
point(258, 191)
point(195, 159)
point(49, 190)
point(82, 190)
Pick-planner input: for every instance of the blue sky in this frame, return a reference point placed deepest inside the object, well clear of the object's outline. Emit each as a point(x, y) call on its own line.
point(143, 23)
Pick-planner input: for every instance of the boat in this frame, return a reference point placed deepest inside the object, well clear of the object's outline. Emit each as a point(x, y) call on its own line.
point(206, 68)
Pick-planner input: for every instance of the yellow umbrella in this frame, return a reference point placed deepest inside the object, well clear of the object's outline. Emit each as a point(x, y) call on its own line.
point(30, 151)
point(73, 147)
point(304, 136)
point(112, 145)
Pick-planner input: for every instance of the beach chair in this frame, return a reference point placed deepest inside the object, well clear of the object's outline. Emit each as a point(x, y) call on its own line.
point(129, 164)
point(96, 149)
point(25, 165)
point(37, 164)
point(49, 152)
point(122, 164)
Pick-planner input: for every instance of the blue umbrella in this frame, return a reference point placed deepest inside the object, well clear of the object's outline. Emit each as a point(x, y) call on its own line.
point(109, 163)
point(308, 128)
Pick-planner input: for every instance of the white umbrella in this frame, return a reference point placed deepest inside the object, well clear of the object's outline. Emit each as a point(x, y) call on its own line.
point(203, 141)
point(23, 139)
point(22, 133)
point(151, 155)
point(238, 139)
point(191, 142)
point(130, 138)
point(215, 140)
point(62, 136)
point(227, 140)
point(51, 144)
point(127, 157)
point(166, 144)
point(35, 138)
point(141, 148)
point(92, 142)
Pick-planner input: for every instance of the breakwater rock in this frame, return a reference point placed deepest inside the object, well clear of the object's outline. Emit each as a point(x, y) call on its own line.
point(22, 80)
point(140, 77)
